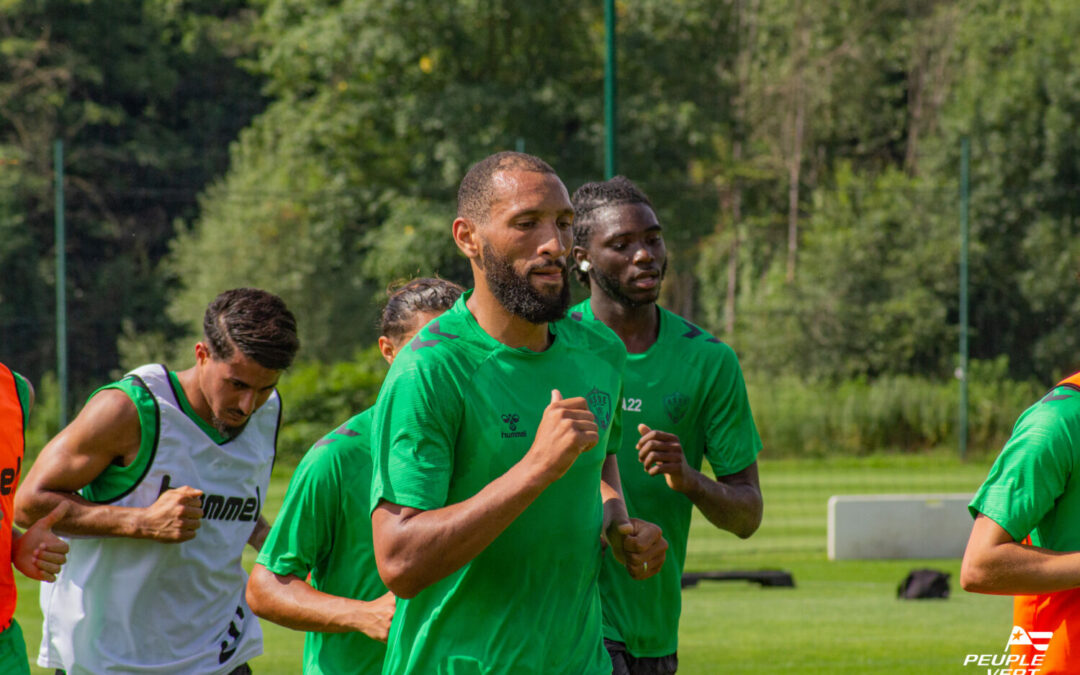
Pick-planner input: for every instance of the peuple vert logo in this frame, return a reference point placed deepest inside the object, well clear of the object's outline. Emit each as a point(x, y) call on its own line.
point(511, 420)
point(1027, 660)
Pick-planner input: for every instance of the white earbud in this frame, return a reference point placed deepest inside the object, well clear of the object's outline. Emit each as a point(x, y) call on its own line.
point(584, 266)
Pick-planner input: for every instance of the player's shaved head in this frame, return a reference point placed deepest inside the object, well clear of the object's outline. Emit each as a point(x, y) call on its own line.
point(478, 188)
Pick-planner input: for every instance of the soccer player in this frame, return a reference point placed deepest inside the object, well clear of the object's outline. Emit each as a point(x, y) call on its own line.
point(1025, 541)
point(323, 526)
point(492, 479)
point(683, 393)
point(164, 475)
point(37, 553)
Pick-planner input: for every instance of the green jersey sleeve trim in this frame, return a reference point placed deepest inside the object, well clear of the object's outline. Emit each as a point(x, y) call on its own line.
point(22, 388)
point(116, 482)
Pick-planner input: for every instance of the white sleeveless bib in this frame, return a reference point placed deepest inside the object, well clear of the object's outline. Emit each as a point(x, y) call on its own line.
point(137, 606)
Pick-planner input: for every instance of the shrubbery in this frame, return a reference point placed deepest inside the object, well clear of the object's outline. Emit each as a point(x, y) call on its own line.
point(893, 413)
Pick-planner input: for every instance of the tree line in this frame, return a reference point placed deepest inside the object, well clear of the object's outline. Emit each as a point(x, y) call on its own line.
point(803, 158)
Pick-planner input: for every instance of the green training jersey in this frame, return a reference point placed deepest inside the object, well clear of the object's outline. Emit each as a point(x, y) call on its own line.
point(1034, 485)
point(457, 410)
point(323, 528)
point(689, 384)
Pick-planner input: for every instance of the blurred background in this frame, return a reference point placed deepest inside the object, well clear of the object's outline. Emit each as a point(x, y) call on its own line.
point(807, 161)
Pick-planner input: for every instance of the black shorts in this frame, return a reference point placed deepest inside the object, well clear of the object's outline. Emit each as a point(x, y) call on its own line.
point(625, 663)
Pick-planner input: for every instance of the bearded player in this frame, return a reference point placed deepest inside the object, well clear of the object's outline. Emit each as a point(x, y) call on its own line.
point(491, 440)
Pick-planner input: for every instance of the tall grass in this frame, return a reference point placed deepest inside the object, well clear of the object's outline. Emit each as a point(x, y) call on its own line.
point(797, 418)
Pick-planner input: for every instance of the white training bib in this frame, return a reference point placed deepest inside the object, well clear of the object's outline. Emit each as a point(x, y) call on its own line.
point(138, 606)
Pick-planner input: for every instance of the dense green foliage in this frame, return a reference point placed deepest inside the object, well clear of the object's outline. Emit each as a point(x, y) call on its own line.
point(804, 164)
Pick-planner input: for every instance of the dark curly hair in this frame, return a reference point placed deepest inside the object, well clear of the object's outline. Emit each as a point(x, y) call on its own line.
point(406, 300)
point(254, 321)
point(591, 197)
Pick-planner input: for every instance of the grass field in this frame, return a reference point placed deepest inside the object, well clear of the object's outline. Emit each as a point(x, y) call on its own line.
point(842, 617)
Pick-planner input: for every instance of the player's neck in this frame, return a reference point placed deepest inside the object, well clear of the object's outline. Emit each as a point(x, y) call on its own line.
point(189, 382)
point(507, 328)
point(637, 327)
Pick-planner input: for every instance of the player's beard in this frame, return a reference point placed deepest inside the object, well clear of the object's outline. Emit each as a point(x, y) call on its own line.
point(518, 296)
point(611, 288)
point(229, 431)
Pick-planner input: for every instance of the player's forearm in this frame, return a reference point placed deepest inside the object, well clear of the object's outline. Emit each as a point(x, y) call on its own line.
point(289, 601)
point(736, 508)
point(1013, 568)
point(83, 518)
point(414, 549)
point(258, 534)
point(611, 494)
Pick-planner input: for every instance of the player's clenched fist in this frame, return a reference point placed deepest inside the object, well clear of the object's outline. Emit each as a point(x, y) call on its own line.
point(567, 429)
point(662, 453)
point(639, 545)
point(174, 517)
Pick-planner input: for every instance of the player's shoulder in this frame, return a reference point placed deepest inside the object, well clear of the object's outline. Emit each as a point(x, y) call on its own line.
point(444, 342)
point(687, 338)
point(347, 444)
point(581, 329)
point(1059, 407)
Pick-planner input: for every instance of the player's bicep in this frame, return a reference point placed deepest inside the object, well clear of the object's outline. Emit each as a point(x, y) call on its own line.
point(747, 478)
point(303, 532)
point(105, 431)
point(413, 433)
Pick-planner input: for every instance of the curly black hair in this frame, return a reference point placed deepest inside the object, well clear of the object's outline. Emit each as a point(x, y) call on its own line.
point(406, 300)
point(254, 321)
point(591, 197)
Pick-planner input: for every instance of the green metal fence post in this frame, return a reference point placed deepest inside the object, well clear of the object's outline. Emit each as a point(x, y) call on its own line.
point(61, 283)
point(962, 371)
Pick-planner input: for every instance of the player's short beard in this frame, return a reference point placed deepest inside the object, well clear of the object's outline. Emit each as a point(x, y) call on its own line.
point(226, 430)
point(611, 288)
point(517, 295)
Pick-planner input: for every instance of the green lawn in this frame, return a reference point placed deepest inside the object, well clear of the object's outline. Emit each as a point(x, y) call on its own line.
point(842, 617)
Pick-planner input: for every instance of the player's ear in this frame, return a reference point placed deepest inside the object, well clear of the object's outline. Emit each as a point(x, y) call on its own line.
point(386, 348)
point(466, 237)
point(202, 353)
point(579, 255)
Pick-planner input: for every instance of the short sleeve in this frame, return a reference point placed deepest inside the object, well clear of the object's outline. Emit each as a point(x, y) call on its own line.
point(413, 432)
point(302, 533)
point(731, 442)
point(1030, 473)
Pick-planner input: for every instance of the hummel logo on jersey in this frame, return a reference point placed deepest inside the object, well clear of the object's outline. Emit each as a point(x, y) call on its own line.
point(433, 329)
point(220, 507)
point(9, 477)
point(511, 420)
point(693, 331)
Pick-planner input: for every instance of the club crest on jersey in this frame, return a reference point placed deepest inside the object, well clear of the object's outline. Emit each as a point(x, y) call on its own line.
point(600, 406)
point(676, 405)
